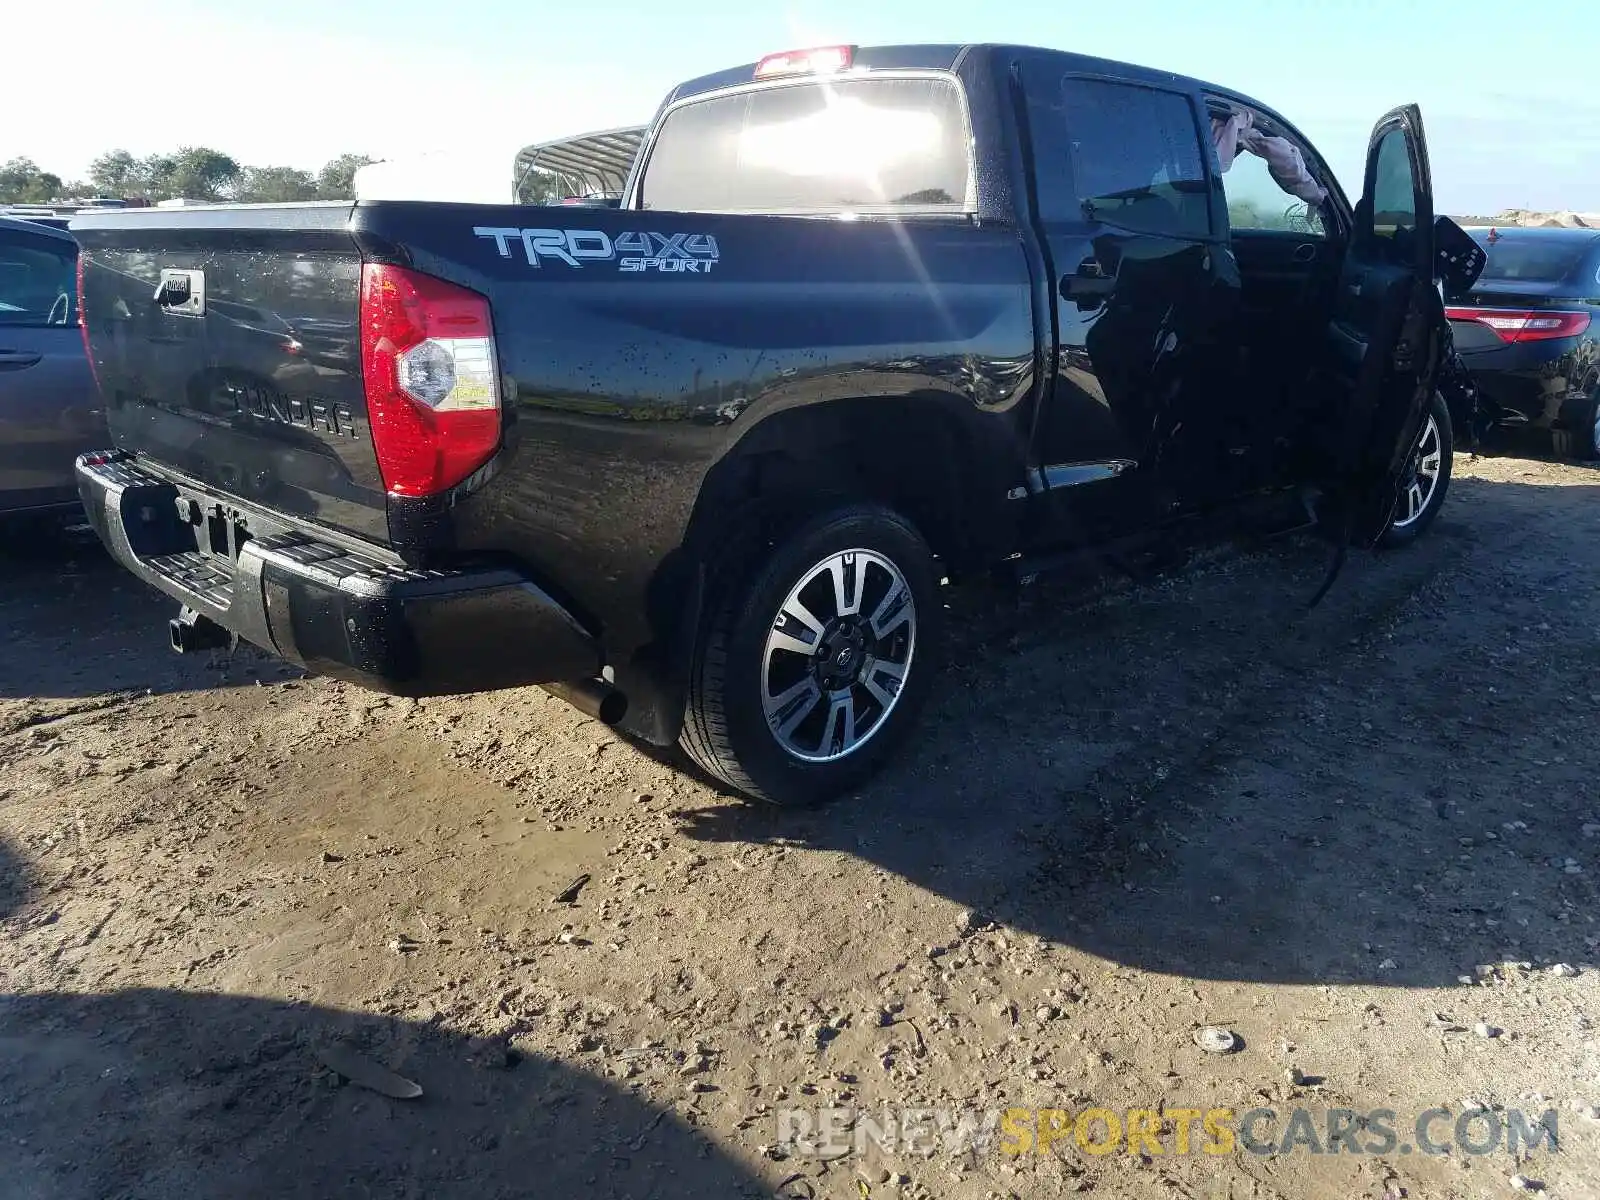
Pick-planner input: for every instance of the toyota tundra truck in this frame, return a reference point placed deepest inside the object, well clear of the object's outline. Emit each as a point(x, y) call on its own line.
point(866, 320)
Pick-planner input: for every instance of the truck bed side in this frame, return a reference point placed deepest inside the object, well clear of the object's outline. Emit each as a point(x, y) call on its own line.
point(633, 376)
point(642, 355)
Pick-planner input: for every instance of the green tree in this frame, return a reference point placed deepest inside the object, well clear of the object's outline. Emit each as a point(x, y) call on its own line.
point(190, 172)
point(118, 173)
point(155, 173)
point(22, 182)
point(274, 185)
point(541, 186)
point(203, 173)
point(336, 179)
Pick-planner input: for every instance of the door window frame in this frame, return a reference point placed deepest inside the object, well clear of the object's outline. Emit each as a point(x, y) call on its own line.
point(1337, 230)
point(1342, 229)
point(1364, 226)
point(1039, 63)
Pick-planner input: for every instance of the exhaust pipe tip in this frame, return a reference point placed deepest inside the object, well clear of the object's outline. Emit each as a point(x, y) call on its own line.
point(612, 707)
point(594, 698)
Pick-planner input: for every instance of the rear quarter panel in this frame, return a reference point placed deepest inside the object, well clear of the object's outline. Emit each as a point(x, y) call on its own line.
point(653, 344)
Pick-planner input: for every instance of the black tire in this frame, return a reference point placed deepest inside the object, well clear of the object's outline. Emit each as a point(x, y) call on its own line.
point(1404, 529)
point(1580, 439)
point(726, 728)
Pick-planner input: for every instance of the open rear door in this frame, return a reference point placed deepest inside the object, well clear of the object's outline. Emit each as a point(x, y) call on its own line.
point(1386, 334)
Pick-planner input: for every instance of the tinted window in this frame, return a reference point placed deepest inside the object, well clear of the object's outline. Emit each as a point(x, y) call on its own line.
point(1537, 260)
point(1255, 201)
point(1394, 192)
point(851, 144)
point(1126, 155)
point(38, 280)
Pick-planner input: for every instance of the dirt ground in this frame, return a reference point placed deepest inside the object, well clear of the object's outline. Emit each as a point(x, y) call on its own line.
point(1360, 838)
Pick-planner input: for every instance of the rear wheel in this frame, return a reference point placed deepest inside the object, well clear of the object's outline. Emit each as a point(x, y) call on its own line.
point(1581, 439)
point(1426, 478)
point(814, 663)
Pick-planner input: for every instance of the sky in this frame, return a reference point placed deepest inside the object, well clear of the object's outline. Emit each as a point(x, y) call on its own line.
point(1512, 116)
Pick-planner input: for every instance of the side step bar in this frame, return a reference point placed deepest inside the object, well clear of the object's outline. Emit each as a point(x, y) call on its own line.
point(1145, 555)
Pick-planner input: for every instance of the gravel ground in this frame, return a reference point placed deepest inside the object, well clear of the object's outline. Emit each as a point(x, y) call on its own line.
point(1364, 839)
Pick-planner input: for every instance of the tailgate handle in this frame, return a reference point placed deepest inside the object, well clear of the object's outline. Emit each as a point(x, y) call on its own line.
point(182, 293)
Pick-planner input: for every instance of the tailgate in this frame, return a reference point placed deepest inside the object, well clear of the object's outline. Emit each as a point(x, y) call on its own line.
point(244, 373)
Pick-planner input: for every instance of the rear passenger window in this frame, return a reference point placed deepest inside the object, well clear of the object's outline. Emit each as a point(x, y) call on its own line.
point(38, 280)
point(1132, 154)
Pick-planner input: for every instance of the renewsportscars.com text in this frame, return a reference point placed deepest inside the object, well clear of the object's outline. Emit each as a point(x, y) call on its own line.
point(828, 1132)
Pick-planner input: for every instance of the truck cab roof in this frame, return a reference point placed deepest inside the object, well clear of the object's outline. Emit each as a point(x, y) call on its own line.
point(952, 57)
point(947, 57)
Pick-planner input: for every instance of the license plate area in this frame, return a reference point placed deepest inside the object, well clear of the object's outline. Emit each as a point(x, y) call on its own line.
point(220, 531)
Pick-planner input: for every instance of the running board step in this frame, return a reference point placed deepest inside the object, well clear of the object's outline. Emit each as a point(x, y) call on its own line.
point(1145, 556)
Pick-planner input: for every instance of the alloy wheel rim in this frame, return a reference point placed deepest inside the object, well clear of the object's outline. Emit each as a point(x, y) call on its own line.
point(837, 656)
point(1422, 475)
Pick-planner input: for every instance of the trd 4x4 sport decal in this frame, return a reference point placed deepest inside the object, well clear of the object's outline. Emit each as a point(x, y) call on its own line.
point(668, 253)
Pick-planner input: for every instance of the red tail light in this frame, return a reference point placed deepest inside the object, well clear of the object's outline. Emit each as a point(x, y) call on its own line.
point(820, 60)
point(1515, 325)
point(432, 380)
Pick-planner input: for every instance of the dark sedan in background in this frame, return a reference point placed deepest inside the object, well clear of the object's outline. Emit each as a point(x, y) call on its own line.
point(49, 407)
point(1529, 330)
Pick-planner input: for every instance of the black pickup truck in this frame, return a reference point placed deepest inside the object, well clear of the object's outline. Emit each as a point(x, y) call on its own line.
point(865, 320)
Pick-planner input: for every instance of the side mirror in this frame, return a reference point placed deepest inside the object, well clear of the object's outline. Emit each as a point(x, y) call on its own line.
point(1460, 260)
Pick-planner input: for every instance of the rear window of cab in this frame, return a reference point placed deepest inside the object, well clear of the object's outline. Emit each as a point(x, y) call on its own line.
point(884, 143)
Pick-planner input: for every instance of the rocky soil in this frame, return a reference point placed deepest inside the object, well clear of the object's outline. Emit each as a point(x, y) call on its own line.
point(1364, 839)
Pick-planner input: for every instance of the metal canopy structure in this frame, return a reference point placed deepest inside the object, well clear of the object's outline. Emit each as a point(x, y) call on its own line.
point(592, 164)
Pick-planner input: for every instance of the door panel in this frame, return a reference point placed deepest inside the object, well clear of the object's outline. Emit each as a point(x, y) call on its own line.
point(1278, 267)
point(1286, 292)
point(49, 408)
point(49, 414)
point(1384, 340)
point(1136, 334)
point(1144, 302)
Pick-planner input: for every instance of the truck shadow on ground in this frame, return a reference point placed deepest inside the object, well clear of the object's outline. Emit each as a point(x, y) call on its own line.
point(1202, 779)
point(73, 624)
point(155, 1093)
point(104, 1098)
